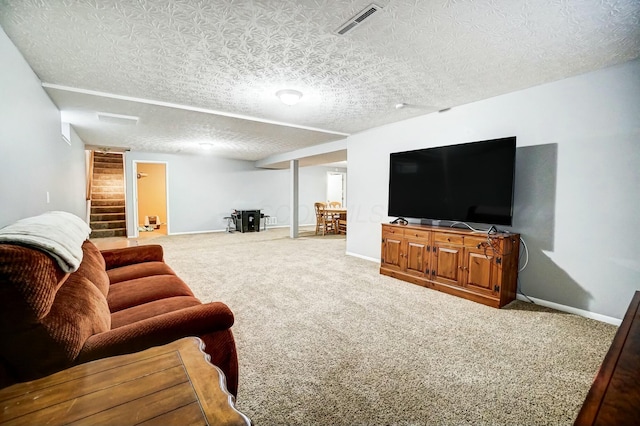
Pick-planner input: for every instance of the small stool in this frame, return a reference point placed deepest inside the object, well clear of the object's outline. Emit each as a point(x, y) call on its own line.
point(230, 221)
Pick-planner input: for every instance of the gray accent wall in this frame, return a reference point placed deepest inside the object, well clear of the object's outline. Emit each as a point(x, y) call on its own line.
point(577, 194)
point(204, 189)
point(34, 159)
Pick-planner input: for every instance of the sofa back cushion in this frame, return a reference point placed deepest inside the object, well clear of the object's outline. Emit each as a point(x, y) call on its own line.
point(93, 267)
point(45, 314)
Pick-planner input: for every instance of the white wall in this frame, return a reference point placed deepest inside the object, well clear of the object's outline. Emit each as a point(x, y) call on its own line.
point(577, 195)
point(204, 189)
point(34, 159)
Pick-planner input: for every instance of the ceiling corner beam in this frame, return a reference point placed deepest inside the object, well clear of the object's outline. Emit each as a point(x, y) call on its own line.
point(309, 151)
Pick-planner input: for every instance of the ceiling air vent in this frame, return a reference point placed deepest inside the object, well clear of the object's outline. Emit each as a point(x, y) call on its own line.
point(358, 19)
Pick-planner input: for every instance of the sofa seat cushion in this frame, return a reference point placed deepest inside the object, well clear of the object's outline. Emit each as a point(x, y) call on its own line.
point(151, 309)
point(135, 292)
point(139, 270)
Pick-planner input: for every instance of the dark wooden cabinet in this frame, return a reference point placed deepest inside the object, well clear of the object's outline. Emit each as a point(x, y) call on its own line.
point(479, 267)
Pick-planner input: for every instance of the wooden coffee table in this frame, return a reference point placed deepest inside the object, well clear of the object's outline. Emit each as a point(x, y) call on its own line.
point(171, 384)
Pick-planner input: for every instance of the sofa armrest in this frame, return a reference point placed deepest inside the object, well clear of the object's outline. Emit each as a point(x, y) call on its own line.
point(159, 330)
point(116, 258)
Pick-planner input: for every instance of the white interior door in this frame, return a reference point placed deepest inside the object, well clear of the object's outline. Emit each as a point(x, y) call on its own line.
point(336, 187)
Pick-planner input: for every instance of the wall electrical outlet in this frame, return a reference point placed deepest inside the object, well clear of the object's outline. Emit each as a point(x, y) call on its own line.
point(272, 220)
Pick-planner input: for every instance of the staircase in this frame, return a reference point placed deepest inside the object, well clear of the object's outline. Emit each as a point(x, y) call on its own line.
point(107, 196)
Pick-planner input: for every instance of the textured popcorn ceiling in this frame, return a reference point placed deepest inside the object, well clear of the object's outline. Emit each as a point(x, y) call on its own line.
point(229, 57)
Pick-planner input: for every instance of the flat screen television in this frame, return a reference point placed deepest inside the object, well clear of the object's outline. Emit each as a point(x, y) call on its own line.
point(469, 182)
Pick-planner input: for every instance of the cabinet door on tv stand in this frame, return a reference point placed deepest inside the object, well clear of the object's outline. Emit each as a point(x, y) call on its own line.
point(392, 252)
point(447, 263)
point(481, 271)
point(416, 254)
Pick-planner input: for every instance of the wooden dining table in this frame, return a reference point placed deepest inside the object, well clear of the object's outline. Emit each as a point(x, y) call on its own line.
point(335, 210)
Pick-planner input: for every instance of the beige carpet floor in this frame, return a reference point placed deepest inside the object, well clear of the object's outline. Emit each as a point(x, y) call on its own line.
point(324, 339)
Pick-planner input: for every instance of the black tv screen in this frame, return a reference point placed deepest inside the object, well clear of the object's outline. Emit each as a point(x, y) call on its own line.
point(469, 182)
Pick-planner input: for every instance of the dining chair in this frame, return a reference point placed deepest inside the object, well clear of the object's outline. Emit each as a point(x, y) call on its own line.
point(324, 220)
point(336, 216)
point(341, 224)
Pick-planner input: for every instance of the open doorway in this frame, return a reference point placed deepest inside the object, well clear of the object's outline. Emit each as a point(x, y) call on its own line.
point(151, 209)
point(337, 187)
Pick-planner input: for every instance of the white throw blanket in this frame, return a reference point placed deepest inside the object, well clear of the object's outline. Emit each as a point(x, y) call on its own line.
point(59, 234)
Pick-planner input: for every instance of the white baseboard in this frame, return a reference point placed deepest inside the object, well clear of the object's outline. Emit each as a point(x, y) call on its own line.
point(370, 259)
point(275, 226)
point(197, 232)
point(570, 309)
point(225, 230)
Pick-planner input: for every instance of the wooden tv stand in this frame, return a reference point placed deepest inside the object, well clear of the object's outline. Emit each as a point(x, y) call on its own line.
point(461, 262)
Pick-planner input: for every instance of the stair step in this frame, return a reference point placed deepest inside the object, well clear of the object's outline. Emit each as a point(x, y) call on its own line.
point(108, 176)
point(107, 171)
point(108, 196)
point(106, 209)
point(107, 159)
point(107, 203)
point(102, 181)
point(107, 154)
point(108, 217)
point(112, 224)
point(106, 188)
point(105, 233)
point(106, 182)
point(105, 165)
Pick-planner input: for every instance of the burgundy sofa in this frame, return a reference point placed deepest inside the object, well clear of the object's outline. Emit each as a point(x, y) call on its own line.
point(117, 302)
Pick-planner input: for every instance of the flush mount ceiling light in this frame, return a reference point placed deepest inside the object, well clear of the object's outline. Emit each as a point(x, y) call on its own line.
point(206, 145)
point(289, 96)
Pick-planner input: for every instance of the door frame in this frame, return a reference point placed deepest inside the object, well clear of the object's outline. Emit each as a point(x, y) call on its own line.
point(134, 190)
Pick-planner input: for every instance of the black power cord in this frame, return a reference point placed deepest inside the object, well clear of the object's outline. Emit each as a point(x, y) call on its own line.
point(400, 220)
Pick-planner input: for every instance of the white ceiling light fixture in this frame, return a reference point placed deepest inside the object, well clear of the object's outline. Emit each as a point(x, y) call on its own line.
point(206, 145)
point(289, 96)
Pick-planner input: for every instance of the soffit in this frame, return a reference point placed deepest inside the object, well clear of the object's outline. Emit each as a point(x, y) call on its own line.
point(175, 130)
